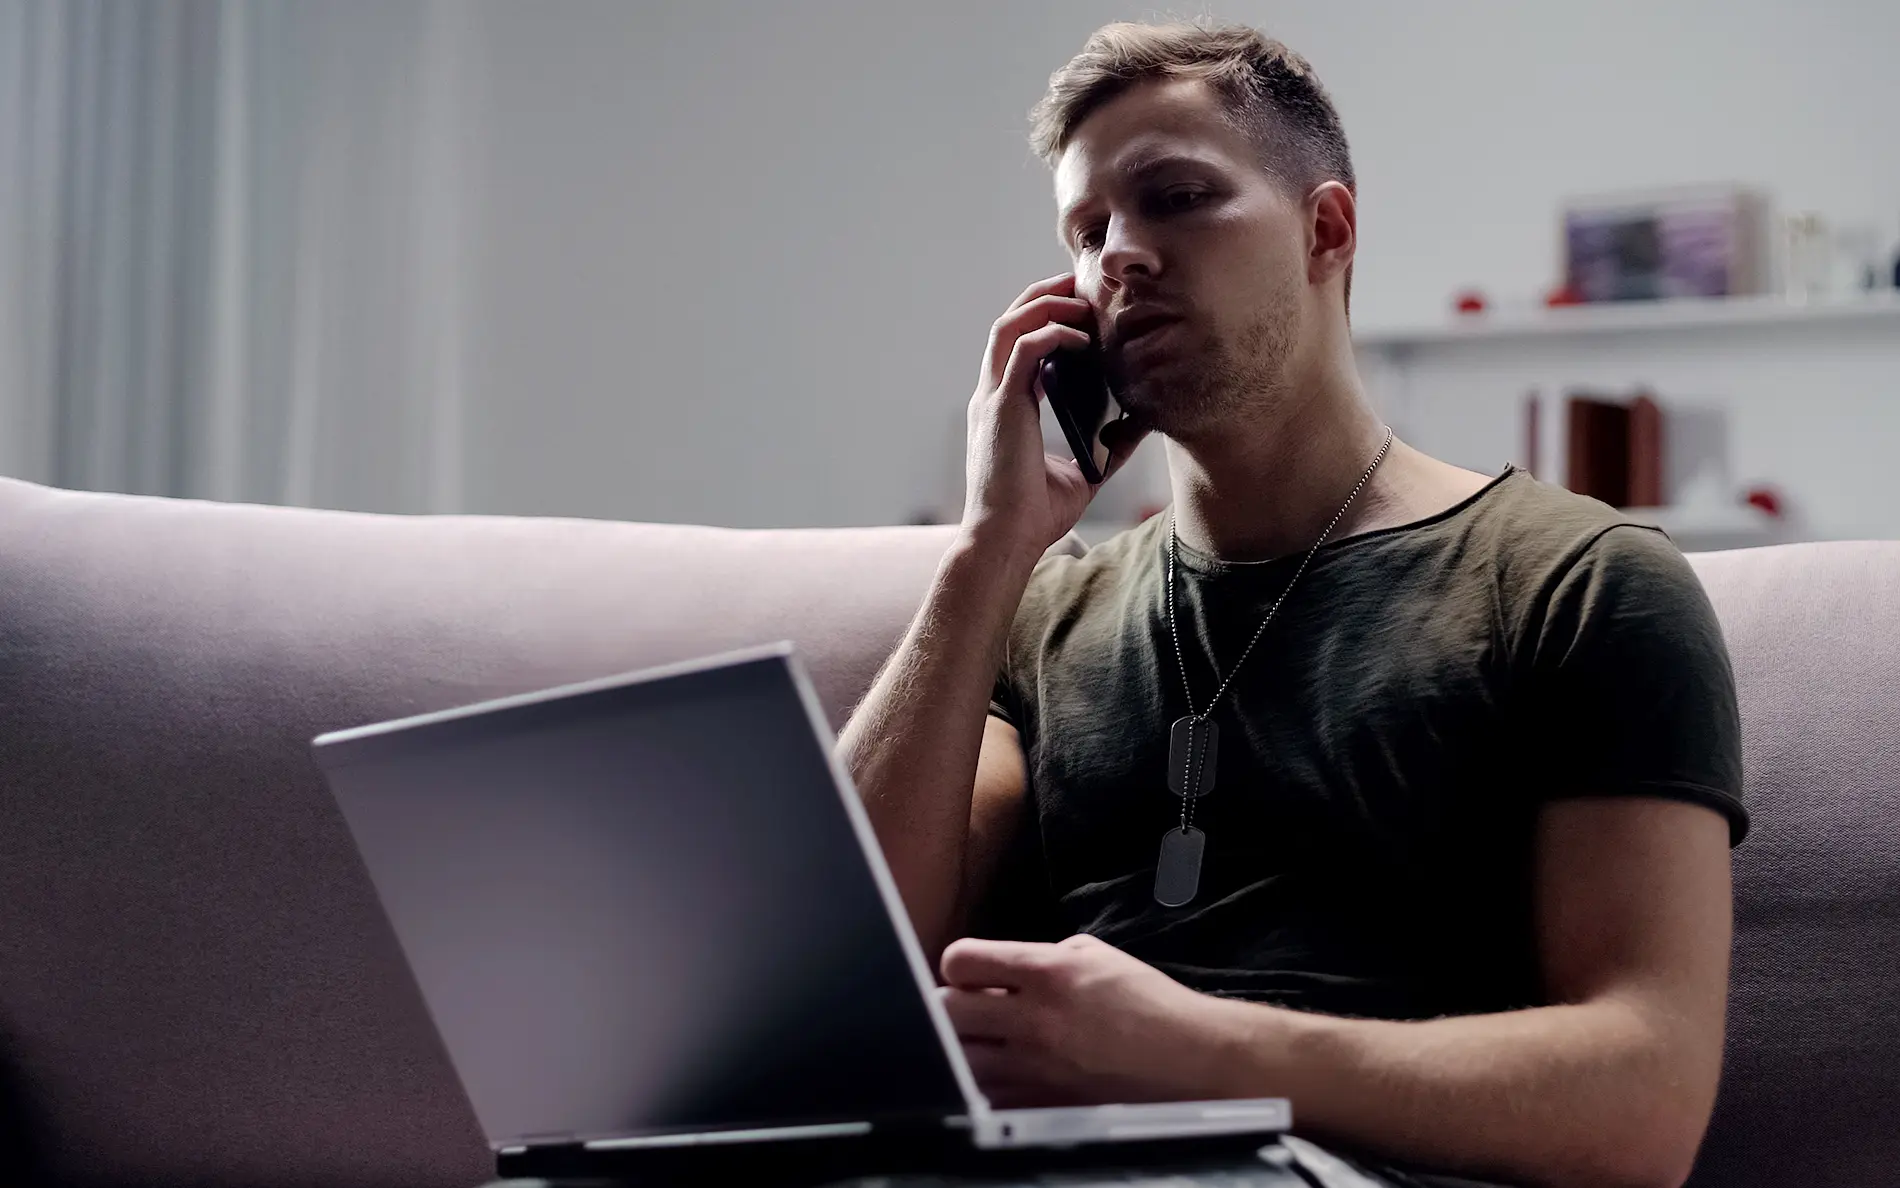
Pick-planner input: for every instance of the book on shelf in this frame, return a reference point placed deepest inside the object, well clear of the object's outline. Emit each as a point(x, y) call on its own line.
point(1613, 449)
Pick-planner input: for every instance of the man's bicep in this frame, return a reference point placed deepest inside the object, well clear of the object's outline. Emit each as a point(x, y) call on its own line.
point(998, 804)
point(1633, 904)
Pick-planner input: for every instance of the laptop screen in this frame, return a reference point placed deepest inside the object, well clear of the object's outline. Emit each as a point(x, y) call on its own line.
point(642, 908)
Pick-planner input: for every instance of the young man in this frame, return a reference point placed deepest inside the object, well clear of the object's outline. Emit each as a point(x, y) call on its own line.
point(1356, 778)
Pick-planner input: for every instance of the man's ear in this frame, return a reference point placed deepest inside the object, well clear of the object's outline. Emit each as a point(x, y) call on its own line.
point(1333, 217)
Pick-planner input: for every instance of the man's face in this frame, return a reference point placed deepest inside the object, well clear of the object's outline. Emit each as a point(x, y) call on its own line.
point(1165, 209)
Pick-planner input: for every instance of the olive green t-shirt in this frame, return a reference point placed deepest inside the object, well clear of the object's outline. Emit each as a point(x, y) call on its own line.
point(1383, 752)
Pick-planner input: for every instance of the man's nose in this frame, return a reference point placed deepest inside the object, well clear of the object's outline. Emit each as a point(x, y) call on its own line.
point(1126, 253)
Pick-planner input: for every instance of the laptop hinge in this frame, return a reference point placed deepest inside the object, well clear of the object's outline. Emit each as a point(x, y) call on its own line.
point(543, 1141)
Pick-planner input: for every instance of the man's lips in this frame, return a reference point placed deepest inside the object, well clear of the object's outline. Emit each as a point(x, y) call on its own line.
point(1135, 324)
point(1147, 335)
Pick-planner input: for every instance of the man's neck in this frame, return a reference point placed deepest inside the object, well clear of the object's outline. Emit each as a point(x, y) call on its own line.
point(1269, 487)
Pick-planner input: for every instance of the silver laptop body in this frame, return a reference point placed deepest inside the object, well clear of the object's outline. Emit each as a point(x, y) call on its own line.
point(649, 911)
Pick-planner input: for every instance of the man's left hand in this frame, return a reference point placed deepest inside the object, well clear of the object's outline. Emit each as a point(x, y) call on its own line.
point(1077, 1023)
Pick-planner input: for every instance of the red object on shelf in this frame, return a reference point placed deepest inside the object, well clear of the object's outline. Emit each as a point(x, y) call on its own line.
point(1766, 498)
point(1470, 302)
point(1562, 295)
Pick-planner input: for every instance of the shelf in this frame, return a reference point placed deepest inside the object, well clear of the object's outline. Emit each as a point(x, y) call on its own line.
point(1636, 317)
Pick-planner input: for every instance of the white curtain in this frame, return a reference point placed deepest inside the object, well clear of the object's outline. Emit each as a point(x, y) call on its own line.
point(231, 254)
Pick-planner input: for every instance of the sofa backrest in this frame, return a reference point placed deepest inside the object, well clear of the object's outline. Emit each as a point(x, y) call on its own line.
point(1811, 1083)
point(196, 984)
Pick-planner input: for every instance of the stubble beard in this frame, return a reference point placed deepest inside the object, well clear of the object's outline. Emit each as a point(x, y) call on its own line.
point(1211, 386)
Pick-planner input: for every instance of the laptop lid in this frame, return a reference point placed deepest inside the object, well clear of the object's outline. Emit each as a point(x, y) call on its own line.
point(650, 905)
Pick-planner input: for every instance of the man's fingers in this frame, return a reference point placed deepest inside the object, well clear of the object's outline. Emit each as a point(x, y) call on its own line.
point(1062, 283)
point(972, 964)
point(1010, 329)
point(1005, 1076)
point(1025, 358)
point(1012, 1079)
point(984, 1014)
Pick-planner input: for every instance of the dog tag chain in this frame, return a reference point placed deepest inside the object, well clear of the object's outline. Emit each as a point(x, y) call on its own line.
point(1194, 740)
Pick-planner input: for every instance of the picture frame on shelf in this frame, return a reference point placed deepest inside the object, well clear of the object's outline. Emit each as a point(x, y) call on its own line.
point(1656, 245)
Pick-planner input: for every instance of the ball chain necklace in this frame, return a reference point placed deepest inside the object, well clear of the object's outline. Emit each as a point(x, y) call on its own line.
point(1193, 741)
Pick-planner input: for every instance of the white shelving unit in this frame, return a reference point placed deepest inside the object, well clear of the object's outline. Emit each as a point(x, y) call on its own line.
point(1774, 370)
point(1636, 317)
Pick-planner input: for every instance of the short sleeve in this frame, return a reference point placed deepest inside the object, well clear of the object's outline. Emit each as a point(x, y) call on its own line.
point(1006, 698)
point(1631, 692)
point(1004, 703)
point(1051, 584)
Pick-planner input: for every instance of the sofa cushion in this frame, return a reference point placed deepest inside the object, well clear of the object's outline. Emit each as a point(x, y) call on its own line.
point(1811, 1083)
point(199, 986)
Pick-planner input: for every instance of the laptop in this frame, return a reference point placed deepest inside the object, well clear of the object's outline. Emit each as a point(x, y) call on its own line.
point(649, 920)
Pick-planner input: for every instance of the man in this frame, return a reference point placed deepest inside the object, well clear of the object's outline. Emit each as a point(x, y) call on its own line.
point(1452, 874)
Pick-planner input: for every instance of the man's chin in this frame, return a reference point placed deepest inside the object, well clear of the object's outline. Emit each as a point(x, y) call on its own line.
point(1147, 405)
point(1179, 419)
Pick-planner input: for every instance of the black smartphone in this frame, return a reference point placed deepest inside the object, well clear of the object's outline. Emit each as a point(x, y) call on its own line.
point(1077, 388)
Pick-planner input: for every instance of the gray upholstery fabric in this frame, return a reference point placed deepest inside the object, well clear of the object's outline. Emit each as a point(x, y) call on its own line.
point(196, 986)
point(1811, 1087)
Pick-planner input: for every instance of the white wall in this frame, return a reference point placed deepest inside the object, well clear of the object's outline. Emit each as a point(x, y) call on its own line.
point(741, 258)
point(734, 262)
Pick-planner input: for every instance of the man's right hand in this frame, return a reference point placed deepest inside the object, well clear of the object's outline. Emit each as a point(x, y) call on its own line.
point(1018, 497)
point(945, 784)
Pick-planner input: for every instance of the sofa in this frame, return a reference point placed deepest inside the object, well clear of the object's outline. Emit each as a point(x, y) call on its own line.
point(197, 986)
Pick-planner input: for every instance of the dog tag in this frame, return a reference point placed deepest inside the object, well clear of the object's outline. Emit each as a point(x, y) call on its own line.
point(1178, 871)
point(1193, 746)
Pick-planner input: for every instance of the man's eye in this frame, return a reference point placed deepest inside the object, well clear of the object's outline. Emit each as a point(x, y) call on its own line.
point(1088, 239)
point(1184, 198)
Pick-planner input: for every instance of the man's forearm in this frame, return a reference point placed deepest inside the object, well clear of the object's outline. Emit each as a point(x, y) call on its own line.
point(912, 744)
point(1585, 1094)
